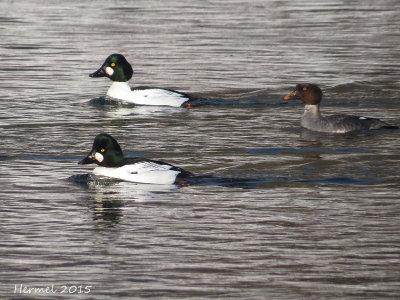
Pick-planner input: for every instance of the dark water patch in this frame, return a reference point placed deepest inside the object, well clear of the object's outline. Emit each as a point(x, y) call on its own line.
point(277, 151)
point(28, 46)
point(290, 103)
point(125, 9)
point(6, 157)
point(37, 157)
point(341, 181)
point(233, 182)
point(47, 157)
point(5, 20)
point(59, 158)
point(247, 99)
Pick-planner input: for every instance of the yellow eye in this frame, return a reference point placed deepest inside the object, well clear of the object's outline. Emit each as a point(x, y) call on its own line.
point(112, 65)
point(304, 89)
point(102, 150)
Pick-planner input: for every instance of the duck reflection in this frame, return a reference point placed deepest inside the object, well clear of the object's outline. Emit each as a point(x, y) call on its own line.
point(116, 109)
point(321, 137)
point(106, 212)
point(110, 199)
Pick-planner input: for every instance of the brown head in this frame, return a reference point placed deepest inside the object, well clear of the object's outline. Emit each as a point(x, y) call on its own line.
point(307, 92)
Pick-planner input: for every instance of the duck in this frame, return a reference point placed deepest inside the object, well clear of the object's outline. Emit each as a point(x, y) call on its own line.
point(120, 71)
point(107, 154)
point(312, 119)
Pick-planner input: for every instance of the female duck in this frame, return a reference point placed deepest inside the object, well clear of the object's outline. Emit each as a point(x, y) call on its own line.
point(312, 119)
point(119, 70)
point(107, 154)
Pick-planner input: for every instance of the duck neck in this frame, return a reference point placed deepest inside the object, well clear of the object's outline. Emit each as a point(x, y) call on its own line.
point(312, 111)
point(119, 90)
point(313, 120)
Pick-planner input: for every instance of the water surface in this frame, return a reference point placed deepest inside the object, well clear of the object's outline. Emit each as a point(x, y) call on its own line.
point(281, 212)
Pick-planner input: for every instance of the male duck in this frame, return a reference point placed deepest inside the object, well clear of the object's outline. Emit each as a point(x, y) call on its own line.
point(312, 119)
point(119, 70)
point(107, 154)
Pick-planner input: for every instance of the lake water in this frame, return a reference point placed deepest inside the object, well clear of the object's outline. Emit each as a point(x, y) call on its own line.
point(283, 213)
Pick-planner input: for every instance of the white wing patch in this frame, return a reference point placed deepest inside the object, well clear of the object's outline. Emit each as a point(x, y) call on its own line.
point(362, 118)
point(145, 166)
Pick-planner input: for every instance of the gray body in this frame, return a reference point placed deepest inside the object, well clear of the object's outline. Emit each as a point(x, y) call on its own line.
point(312, 119)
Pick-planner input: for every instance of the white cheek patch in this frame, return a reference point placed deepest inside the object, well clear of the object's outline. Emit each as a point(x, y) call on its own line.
point(99, 157)
point(109, 71)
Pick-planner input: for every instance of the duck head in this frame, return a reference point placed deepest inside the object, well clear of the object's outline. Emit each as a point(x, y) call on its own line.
point(115, 67)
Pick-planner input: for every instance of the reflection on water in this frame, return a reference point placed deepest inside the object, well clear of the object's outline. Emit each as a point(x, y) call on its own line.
point(106, 200)
point(274, 210)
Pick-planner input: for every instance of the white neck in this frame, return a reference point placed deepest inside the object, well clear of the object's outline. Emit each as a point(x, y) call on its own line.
point(312, 110)
point(119, 90)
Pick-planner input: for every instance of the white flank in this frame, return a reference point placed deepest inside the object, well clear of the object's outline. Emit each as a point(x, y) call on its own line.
point(150, 96)
point(143, 172)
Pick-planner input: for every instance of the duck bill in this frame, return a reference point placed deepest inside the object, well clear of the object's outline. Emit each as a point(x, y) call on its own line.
point(290, 96)
point(88, 160)
point(99, 73)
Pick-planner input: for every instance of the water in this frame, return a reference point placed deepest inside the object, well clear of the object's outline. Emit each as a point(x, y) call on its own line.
point(282, 213)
